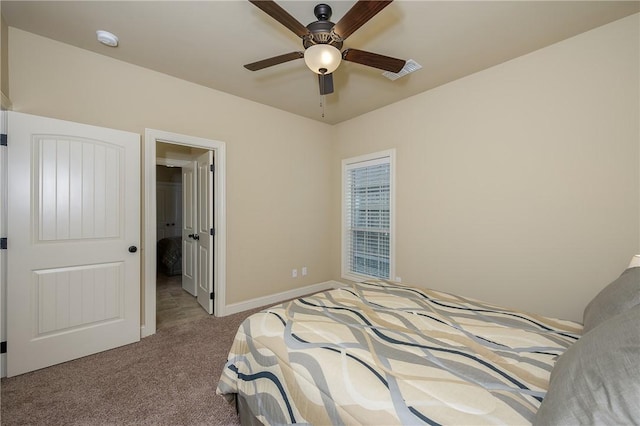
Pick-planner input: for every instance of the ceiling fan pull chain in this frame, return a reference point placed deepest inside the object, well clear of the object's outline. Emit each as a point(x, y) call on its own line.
point(322, 104)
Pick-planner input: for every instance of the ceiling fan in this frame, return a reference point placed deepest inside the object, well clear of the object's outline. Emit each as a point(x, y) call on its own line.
point(323, 40)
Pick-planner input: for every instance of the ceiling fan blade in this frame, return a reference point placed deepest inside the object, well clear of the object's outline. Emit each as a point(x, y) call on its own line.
point(279, 14)
point(358, 15)
point(326, 83)
point(265, 63)
point(375, 60)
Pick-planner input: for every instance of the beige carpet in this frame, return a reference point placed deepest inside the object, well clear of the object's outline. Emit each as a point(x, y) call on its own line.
point(167, 379)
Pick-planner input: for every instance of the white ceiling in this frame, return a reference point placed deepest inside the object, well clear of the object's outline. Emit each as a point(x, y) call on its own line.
point(208, 42)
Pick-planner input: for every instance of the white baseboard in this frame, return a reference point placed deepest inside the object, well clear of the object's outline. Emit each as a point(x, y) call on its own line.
point(146, 331)
point(273, 299)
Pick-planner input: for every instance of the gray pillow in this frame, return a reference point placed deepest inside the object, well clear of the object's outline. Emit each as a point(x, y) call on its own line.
point(597, 380)
point(617, 297)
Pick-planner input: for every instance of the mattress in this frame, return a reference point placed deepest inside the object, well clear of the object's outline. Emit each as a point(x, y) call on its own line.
point(382, 353)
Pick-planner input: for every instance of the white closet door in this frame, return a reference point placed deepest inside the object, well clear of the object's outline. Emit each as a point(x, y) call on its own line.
point(205, 225)
point(189, 244)
point(74, 232)
point(168, 209)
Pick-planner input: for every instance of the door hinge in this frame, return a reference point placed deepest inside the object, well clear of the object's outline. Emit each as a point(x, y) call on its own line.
point(3, 347)
point(212, 232)
point(212, 167)
point(212, 296)
point(3, 139)
point(3, 243)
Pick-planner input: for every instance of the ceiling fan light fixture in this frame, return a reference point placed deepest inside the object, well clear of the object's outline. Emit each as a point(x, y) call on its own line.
point(322, 58)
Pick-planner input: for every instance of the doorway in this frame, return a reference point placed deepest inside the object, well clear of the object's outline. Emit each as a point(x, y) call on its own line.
point(177, 202)
point(175, 303)
point(202, 241)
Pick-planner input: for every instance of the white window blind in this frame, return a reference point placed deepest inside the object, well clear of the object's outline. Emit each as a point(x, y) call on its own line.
point(367, 209)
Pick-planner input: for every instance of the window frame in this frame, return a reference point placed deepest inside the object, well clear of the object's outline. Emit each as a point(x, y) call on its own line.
point(386, 156)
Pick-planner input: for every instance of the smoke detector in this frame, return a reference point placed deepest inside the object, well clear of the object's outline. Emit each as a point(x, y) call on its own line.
point(107, 38)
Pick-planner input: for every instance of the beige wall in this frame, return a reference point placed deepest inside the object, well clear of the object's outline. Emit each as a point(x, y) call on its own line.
point(519, 184)
point(168, 174)
point(278, 182)
point(4, 60)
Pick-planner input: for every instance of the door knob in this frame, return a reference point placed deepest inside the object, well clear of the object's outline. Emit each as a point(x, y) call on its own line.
point(191, 236)
point(196, 237)
point(133, 249)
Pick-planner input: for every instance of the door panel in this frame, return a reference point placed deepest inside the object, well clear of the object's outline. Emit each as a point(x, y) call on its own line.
point(168, 210)
point(204, 225)
point(161, 213)
point(73, 213)
point(77, 186)
point(161, 202)
point(189, 245)
point(68, 298)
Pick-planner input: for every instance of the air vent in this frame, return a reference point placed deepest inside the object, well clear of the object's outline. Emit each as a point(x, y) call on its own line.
point(409, 67)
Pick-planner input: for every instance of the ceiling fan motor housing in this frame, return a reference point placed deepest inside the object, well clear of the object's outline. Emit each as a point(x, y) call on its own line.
point(322, 12)
point(321, 29)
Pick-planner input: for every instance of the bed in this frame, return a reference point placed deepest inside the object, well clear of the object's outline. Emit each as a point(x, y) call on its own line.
point(382, 353)
point(378, 352)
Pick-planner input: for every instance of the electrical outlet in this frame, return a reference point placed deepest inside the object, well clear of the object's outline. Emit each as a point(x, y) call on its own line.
point(398, 279)
point(304, 271)
point(294, 273)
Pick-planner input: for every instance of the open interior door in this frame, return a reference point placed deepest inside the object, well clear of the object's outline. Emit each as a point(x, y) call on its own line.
point(74, 230)
point(205, 231)
point(189, 231)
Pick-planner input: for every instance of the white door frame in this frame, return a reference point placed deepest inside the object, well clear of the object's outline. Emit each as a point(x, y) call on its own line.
point(149, 248)
point(4, 106)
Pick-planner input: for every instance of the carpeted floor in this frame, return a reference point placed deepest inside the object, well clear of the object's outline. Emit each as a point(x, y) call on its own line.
point(167, 379)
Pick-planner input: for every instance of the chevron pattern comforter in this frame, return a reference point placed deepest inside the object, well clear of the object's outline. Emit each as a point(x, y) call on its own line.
point(383, 353)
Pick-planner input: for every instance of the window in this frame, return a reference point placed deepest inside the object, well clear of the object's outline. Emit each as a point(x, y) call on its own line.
point(368, 216)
